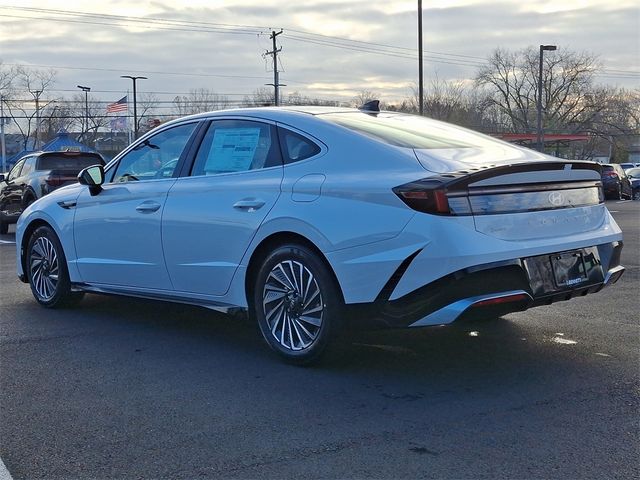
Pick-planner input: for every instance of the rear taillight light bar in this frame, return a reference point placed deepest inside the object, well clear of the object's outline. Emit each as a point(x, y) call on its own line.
point(437, 198)
point(54, 181)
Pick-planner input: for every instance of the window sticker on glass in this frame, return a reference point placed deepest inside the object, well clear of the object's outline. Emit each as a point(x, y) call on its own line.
point(233, 149)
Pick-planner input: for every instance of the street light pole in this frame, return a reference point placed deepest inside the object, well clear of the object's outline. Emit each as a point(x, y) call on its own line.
point(36, 95)
point(540, 132)
point(135, 106)
point(420, 74)
point(3, 147)
point(86, 91)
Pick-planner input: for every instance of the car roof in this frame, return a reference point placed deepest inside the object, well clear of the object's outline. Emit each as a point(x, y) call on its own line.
point(276, 114)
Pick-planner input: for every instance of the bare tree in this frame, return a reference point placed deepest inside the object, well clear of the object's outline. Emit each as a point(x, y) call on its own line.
point(147, 103)
point(7, 76)
point(197, 101)
point(363, 97)
point(445, 100)
point(88, 118)
point(511, 82)
point(262, 97)
point(25, 112)
point(296, 98)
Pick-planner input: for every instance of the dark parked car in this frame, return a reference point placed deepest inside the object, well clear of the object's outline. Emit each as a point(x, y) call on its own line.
point(615, 182)
point(634, 176)
point(37, 174)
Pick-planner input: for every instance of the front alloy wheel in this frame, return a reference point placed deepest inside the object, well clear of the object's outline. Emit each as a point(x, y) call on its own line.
point(297, 303)
point(44, 268)
point(47, 270)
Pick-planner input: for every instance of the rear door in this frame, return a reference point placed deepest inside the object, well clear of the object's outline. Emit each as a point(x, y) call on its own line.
point(212, 215)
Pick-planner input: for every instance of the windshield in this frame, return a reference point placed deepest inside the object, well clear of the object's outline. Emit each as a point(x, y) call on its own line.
point(410, 131)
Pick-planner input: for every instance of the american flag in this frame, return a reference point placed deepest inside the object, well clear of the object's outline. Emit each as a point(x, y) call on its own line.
point(119, 106)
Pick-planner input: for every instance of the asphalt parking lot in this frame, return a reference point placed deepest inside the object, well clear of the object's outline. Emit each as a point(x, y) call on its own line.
point(126, 388)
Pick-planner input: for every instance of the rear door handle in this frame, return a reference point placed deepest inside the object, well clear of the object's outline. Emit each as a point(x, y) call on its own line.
point(249, 204)
point(148, 207)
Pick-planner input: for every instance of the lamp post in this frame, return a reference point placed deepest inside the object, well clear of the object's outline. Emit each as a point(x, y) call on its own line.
point(2, 144)
point(135, 106)
point(86, 91)
point(420, 75)
point(540, 133)
point(36, 96)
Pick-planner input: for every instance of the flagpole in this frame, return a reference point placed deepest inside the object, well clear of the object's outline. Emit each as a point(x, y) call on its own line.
point(128, 121)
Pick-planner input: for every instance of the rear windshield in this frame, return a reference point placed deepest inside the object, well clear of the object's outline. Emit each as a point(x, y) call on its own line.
point(410, 131)
point(68, 162)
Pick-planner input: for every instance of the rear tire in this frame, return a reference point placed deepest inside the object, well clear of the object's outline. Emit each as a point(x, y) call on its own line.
point(297, 304)
point(46, 270)
point(4, 228)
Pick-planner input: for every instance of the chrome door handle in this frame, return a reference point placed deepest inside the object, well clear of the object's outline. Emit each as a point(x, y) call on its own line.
point(148, 207)
point(249, 205)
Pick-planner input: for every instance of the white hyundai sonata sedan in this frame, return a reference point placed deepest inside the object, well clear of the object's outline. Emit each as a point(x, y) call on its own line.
point(309, 217)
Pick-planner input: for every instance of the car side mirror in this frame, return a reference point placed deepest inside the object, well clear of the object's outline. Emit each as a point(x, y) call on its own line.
point(93, 177)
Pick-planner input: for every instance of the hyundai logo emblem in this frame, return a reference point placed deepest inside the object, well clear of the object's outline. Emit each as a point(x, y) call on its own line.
point(556, 199)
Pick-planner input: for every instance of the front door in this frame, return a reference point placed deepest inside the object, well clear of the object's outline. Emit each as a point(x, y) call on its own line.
point(118, 231)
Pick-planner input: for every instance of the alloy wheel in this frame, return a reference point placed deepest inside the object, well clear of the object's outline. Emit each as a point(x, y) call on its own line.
point(44, 268)
point(293, 305)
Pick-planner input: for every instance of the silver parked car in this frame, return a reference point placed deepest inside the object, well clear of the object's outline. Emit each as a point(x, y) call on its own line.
point(309, 217)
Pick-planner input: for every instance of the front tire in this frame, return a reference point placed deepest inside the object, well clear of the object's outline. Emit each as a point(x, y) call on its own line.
point(4, 228)
point(47, 270)
point(297, 304)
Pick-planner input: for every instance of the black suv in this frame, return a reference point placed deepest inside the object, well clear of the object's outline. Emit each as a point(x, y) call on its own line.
point(35, 175)
point(615, 182)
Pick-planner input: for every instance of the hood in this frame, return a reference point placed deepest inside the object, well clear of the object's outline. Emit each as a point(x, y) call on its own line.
point(446, 160)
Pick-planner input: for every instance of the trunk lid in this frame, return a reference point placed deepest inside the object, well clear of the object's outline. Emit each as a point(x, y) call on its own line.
point(513, 198)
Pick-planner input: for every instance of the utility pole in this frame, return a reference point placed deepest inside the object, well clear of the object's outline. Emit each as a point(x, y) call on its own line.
point(4, 151)
point(420, 75)
point(276, 80)
point(36, 95)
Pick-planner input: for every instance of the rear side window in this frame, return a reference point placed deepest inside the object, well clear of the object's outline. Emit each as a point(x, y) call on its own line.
point(231, 146)
point(75, 162)
point(296, 147)
point(29, 166)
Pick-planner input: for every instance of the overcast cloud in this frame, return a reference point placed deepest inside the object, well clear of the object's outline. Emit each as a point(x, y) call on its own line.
point(461, 33)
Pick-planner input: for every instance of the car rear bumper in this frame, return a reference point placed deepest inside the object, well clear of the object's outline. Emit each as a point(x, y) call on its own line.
point(491, 290)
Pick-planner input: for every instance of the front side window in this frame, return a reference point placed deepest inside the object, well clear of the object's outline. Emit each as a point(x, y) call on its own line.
point(231, 146)
point(156, 157)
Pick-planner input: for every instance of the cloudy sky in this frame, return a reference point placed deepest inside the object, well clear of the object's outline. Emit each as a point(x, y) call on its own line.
point(330, 48)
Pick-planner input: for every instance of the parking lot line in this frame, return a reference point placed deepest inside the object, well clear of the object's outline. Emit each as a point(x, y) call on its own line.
point(7, 242)
point(4, 473)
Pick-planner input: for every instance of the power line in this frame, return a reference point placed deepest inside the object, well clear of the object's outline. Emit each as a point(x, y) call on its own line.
point(224, 28)
point(120, 70)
